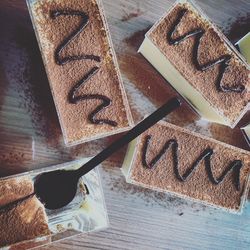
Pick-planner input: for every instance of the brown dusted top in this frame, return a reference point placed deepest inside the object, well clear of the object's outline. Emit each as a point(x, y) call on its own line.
point(92, 40)
point(27, 219)
point(198, 186)
point(15, 188)
point(212, 46)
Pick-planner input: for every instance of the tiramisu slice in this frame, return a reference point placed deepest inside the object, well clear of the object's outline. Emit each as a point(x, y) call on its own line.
point(23, 220)
point(81, 67)
point(200, 63)
point(172, 159)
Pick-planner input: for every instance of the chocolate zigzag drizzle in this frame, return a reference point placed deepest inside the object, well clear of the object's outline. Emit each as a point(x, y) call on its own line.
point(105, 100)
point(71, 37)
point(62, 61)
point(223, 60)
point(235, 166)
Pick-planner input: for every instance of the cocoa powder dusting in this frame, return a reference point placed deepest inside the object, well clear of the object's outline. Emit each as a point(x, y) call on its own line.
point(37, 94)
point(21, 59)
point(135, 40)
point(235, 29)
point(132, 14)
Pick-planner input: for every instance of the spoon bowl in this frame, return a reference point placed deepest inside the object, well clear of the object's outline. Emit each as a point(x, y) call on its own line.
point(56, 189)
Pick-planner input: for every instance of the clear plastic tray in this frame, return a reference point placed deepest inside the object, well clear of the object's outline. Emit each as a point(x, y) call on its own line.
point(86, 213)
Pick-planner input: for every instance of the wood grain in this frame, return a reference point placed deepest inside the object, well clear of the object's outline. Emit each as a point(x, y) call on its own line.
point(139, 218)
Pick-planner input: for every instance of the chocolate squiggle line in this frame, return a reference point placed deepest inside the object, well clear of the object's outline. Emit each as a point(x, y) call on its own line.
point(71, 37)
point(235, 166)
point(62, 61)
point(15, 203)
point(105, 100)
point(223, 60)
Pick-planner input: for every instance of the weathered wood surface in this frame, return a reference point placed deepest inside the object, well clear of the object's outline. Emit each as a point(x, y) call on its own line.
point(31, 137)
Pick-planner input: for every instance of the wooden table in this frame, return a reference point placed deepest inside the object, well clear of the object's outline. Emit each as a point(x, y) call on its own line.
point(139, 218)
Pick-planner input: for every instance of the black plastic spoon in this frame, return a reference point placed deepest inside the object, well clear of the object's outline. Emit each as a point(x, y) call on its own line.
point(56, 189)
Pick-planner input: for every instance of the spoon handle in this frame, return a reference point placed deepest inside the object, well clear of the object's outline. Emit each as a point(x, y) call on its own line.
point(160, 113)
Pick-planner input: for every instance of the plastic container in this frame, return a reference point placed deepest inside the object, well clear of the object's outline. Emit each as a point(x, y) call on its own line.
point(82, 130)
point(86, 213)
point(162, 175)
point(200, 101)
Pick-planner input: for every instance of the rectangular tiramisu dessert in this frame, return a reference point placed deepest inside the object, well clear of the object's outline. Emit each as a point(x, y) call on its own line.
point(200, 63)
point(172, 159)
point(22, 220)
point(81, 67)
